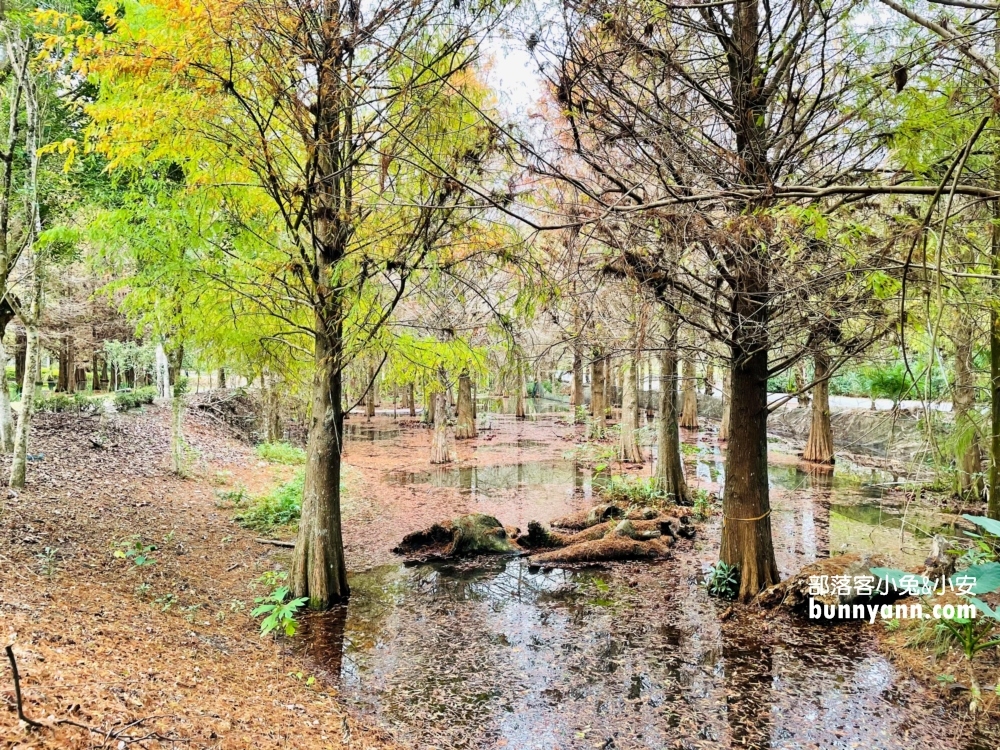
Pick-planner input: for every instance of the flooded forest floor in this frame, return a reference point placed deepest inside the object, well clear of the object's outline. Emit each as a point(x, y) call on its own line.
point(482, 654)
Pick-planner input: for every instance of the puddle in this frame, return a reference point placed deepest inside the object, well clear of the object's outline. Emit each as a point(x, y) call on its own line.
point(627, 656)
point(488, 480)
point(622, 657)
point(361, 431)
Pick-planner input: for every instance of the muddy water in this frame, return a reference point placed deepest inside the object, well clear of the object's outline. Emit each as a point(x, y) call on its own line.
point(494, 655)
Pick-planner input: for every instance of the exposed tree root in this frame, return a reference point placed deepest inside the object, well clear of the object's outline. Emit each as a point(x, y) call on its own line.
point(474, 534)
point(587, 518)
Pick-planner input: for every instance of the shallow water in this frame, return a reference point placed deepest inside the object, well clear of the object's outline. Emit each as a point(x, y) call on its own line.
point(493, 654)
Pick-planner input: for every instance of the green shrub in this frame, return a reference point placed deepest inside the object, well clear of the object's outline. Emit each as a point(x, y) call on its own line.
point(63, 402)
point(281, 506)
point(281, 453)
point(125, 400)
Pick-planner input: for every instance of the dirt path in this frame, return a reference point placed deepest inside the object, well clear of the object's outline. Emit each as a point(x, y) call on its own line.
point(169, 647)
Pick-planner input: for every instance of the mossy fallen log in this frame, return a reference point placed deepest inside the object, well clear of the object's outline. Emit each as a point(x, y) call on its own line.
point(474, 534)
point(612, 547)
point(587, 518)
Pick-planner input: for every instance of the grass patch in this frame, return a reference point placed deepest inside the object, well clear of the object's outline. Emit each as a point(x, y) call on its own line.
point(631, 490)
point(280, 507)
point(281, 453)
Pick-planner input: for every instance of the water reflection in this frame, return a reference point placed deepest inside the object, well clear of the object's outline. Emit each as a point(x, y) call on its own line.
point(621, 657)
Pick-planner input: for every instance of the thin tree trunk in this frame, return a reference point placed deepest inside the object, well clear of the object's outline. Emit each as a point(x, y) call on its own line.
point(577, 400)
point(628, 449)
point(709, 378)
point(319, 570)
point(370, 395)
point(18, 469)
point(519, 412)
point(6, 417)
point(412, 400)
point(598, 423)
point(439, 440)
point(689, 395)
point(669, 467)
point(819, 447)
point(800, 383)
point(465, 426)
point(649, 388)
point(968, 456)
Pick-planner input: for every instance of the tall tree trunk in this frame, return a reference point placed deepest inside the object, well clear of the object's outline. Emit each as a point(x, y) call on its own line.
point(689, 394)
point(439, 440)
point(746, 525)
point(669, 467)
point(599, 422)
point(709, 377)
point(819, 447)
point(727, 389)
point(465, 426)
point(319, 571)
point(628, 449)
point(968, 457)
point(222, 377)
point(412, 400)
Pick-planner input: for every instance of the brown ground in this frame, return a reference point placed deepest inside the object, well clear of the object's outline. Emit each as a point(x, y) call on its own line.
point(169, 648)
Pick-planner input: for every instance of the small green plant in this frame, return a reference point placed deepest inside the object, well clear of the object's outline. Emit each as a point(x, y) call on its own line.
point(281, 506)
point(723, 580)
point(704, 503)
point(142, 590)
point(235, 497)
point(166, 601)
point(281, 453)
point(892, 625)
point(278, 610)
point(221, 478)
point(135, 551)
point(49, 563)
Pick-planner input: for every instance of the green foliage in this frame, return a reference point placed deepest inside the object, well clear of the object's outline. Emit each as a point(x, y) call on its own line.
point(48, 561)
point(125, 400)
point(236, 496)
point(280, 507)
point(281, 453)
point(78, 403)
point(704, 503)
point(632, 490)
point(279, 610)
point(135, 551)
point(723, 581)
